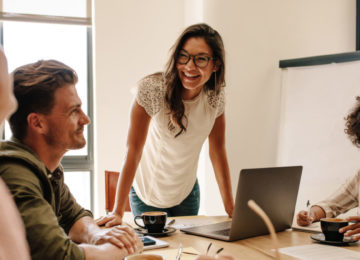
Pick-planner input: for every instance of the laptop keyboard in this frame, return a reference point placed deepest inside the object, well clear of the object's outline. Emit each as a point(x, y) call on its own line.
point(223, 232)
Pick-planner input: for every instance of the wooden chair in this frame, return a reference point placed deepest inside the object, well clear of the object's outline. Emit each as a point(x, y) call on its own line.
point(111, 179)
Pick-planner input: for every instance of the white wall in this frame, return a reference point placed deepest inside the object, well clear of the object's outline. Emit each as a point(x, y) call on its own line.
point(257, 34)
point(132, 39)
point(312, 132)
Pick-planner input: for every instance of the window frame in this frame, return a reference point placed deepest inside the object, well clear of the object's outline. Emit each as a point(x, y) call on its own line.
point(358, 25)
point(83, 163)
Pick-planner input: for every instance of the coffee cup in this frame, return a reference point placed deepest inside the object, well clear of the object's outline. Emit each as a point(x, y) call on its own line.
point(154, 221)
point(145, 257)
point(330, 227)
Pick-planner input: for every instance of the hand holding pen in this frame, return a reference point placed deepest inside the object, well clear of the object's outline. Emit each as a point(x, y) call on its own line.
point(313, 213)
point(305, 218)
point(310, 218)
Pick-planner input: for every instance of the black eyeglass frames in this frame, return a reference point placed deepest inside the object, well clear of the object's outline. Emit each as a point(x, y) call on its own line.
point(200, 60)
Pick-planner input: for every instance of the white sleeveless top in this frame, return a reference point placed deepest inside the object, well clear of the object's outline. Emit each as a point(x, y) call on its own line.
point(167, 170)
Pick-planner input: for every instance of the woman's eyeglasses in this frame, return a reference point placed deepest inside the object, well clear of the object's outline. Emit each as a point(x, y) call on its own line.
point(200, 60)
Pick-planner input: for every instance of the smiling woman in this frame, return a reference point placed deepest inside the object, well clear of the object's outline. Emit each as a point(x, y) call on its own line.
point(185, 105)
point(195, 66)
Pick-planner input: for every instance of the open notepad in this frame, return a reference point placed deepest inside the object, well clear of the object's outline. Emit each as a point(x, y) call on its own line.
point(313, 228)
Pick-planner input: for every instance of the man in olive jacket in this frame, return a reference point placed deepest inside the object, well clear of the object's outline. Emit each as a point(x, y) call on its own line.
point(48, 122)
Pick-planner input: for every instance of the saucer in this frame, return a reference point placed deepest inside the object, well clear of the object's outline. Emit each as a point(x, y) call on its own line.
point(321, 238)
point(166, 231)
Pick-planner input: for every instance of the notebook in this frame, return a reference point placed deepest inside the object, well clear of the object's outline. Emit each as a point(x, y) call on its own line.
point(273, 189)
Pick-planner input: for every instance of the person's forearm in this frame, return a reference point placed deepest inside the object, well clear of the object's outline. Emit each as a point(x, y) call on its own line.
point(138, 129)
point(125, 181)
point(84, 230)
point(222, 174)
point(105, 251)
point(317, 213)
point(218, 157)
point(342, 199)
point(217, 153)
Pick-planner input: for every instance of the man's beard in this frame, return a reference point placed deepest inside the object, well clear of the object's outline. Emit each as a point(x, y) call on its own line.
point(53, 139)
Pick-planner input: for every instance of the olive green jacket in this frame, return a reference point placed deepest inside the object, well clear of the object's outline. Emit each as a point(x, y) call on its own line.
point(46, 205)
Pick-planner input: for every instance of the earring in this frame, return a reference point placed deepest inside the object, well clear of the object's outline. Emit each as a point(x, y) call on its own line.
point(215, 80)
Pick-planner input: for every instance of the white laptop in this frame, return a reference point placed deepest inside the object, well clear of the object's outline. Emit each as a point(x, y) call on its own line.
point(273, 189)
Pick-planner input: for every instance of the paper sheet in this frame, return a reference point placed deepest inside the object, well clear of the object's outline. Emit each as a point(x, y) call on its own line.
point(314, 227)
point(320, 252)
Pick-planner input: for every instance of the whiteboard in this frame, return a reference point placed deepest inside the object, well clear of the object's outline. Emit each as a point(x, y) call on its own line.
point(315, 101)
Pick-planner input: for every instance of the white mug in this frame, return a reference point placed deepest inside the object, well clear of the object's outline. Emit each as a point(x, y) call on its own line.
point(145, 257)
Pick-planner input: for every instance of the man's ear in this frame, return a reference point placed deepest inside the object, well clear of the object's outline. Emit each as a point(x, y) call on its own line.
point(37, 123)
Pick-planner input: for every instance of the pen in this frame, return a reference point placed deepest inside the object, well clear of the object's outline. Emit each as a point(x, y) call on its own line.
point(218, 252)
point(207, 251)
point(308, 207)
point(178, 256)
point(171, 222)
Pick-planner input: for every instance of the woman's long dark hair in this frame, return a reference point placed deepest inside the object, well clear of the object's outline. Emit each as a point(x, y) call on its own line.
point(174, 88)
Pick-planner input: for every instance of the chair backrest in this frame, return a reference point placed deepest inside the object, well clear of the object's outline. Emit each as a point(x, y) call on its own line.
point(111, 179)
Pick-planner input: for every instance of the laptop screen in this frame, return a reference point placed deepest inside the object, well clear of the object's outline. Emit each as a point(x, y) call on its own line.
point(275, 190)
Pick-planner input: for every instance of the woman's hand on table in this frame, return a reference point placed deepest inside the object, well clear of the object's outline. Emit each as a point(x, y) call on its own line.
point(229, 208)
point(109, 220)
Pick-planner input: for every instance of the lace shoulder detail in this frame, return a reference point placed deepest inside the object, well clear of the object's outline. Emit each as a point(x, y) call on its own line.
point(217, 101)
point(151, 93)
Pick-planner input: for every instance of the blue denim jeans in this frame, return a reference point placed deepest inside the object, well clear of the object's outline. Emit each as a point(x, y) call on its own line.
point(188, 207)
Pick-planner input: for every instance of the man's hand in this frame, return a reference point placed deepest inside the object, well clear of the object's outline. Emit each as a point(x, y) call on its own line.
point(109, 220)
point(120, 236)
point(303, 218)
point(105, 251)
point(104, 243)
point(353, 228)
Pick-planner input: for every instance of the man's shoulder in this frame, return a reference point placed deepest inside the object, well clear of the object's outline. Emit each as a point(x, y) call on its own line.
point(14, 168)
point(20, 168)
point(19, 154)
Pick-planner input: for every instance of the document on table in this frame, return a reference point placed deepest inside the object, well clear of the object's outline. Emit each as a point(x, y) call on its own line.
point(320, 252)
point(314, 227)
